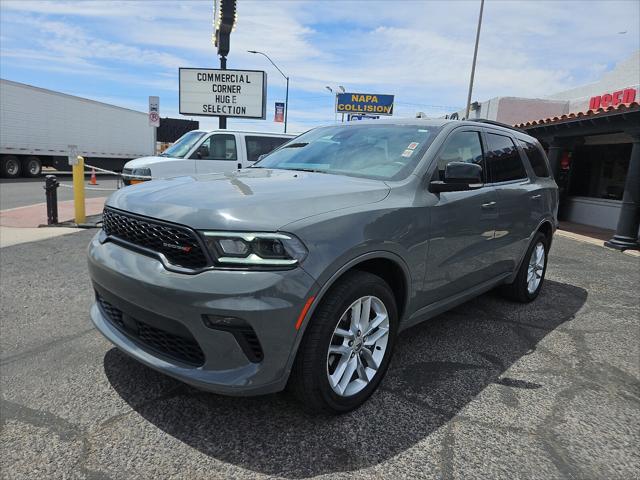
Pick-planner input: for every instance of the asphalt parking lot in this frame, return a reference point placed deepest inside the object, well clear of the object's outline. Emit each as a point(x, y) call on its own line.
point(492, 389)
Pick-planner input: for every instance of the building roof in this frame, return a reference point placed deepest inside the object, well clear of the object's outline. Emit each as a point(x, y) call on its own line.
point(620, 108)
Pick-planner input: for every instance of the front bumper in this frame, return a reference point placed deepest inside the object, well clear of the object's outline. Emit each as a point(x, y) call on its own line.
point(139, 287)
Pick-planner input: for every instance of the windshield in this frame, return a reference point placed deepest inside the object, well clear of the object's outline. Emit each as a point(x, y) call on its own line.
point(182, 145)
point(383, 152)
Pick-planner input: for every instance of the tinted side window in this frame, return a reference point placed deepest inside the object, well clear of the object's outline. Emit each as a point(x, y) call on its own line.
point(257, 146)
point(461, 147)
point(536, 159)
point(218, 147)
point(503, 159)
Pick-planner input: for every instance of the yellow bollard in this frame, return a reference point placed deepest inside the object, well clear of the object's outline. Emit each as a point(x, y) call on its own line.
point(78, 190)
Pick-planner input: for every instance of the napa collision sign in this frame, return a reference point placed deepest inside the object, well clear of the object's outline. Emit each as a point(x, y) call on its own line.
point(223, 93)
point(364, 103)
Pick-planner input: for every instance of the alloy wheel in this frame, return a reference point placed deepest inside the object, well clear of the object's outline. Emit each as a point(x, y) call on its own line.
point(358, 346)
point(536, 268)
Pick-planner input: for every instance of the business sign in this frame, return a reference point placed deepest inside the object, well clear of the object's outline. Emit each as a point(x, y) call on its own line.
point(223, 93)
point(154, 111)
point(364, 103)
point(605, 100)
point(359, 116)
point(279, 117)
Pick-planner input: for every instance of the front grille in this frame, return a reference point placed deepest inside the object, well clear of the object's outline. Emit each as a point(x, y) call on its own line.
point(178, 244)
point(183, 348)
point(112, 313)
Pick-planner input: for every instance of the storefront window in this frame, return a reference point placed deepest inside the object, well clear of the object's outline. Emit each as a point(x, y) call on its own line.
point(599, 171)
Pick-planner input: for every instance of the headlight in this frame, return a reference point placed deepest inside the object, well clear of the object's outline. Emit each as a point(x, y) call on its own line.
point(255, 249)
point(137, 175)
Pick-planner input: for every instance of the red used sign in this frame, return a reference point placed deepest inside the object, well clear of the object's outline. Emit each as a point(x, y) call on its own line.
point(605, 100)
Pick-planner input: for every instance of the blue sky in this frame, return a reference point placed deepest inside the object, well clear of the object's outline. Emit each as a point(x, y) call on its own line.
point(420, 51)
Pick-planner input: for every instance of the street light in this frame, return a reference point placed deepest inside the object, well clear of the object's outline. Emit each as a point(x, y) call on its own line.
point(286, 101)
point(473, 65)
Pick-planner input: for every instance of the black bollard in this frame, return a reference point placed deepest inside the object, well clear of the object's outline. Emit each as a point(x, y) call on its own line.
point(51, 190)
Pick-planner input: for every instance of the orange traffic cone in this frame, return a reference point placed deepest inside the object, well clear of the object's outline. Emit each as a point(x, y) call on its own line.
point(93, 180)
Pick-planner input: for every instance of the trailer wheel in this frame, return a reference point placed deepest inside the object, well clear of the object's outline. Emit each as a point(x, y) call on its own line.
point(10, 167)
point(31, 167)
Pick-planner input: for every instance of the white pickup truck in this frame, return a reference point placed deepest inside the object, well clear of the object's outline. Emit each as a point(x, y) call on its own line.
point(201, 151)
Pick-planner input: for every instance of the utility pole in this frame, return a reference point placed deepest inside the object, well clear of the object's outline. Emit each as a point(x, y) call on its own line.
point(224, 18)
point(473, 65)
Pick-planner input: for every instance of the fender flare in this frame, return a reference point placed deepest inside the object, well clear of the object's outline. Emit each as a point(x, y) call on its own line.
point(324, 288)
point(548, 220)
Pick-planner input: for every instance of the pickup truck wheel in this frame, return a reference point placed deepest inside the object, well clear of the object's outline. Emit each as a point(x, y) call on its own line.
point(528, 282)
point(31, 167)
point(347, 346)
point(10, 167)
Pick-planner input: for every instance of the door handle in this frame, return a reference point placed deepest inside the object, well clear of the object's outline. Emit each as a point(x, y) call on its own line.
point(489, 205)
point(536, 197)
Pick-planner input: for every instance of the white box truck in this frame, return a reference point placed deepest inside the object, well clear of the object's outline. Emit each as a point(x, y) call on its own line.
point(37, 126)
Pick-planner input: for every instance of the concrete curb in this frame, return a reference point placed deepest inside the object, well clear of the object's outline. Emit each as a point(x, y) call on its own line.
point(592, 241)
point(16, 235)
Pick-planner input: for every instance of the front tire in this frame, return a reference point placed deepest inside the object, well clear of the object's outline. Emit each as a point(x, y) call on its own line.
point(528, 282)
point(347, 346)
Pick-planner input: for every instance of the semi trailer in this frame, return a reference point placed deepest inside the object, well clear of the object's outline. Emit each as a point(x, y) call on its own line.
point(39, 127)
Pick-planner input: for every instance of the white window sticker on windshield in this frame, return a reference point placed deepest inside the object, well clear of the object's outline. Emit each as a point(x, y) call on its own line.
point(413, 145)
point(407, 153)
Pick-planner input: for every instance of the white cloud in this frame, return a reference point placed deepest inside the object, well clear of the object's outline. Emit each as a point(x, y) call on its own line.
point(419, 51)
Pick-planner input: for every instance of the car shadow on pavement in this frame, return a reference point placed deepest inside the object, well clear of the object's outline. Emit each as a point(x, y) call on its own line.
point(437, 369)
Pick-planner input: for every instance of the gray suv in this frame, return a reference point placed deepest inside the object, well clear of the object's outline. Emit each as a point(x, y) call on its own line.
point(300, 271)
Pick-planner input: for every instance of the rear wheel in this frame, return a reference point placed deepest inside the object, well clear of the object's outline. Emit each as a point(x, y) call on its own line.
point(31, 167)
point(10, 167)
point(347, 346)
point(528, 282)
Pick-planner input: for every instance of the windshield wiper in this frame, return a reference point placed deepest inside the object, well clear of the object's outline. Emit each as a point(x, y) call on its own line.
point(296, 145)
point(312, 170)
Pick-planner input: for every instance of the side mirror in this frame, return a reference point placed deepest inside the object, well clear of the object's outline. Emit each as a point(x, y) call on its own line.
point(202, 151)
point(458, 176)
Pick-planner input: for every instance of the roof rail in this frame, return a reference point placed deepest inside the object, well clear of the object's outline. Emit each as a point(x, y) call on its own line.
point(499, 124)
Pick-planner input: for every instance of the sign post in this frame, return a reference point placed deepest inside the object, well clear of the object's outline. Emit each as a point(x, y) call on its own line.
point(224, 19)
point(154, 119)
point(223, 93)
point(154, 111)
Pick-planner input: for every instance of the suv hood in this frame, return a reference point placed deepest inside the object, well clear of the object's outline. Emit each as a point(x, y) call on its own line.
point(252, 199)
